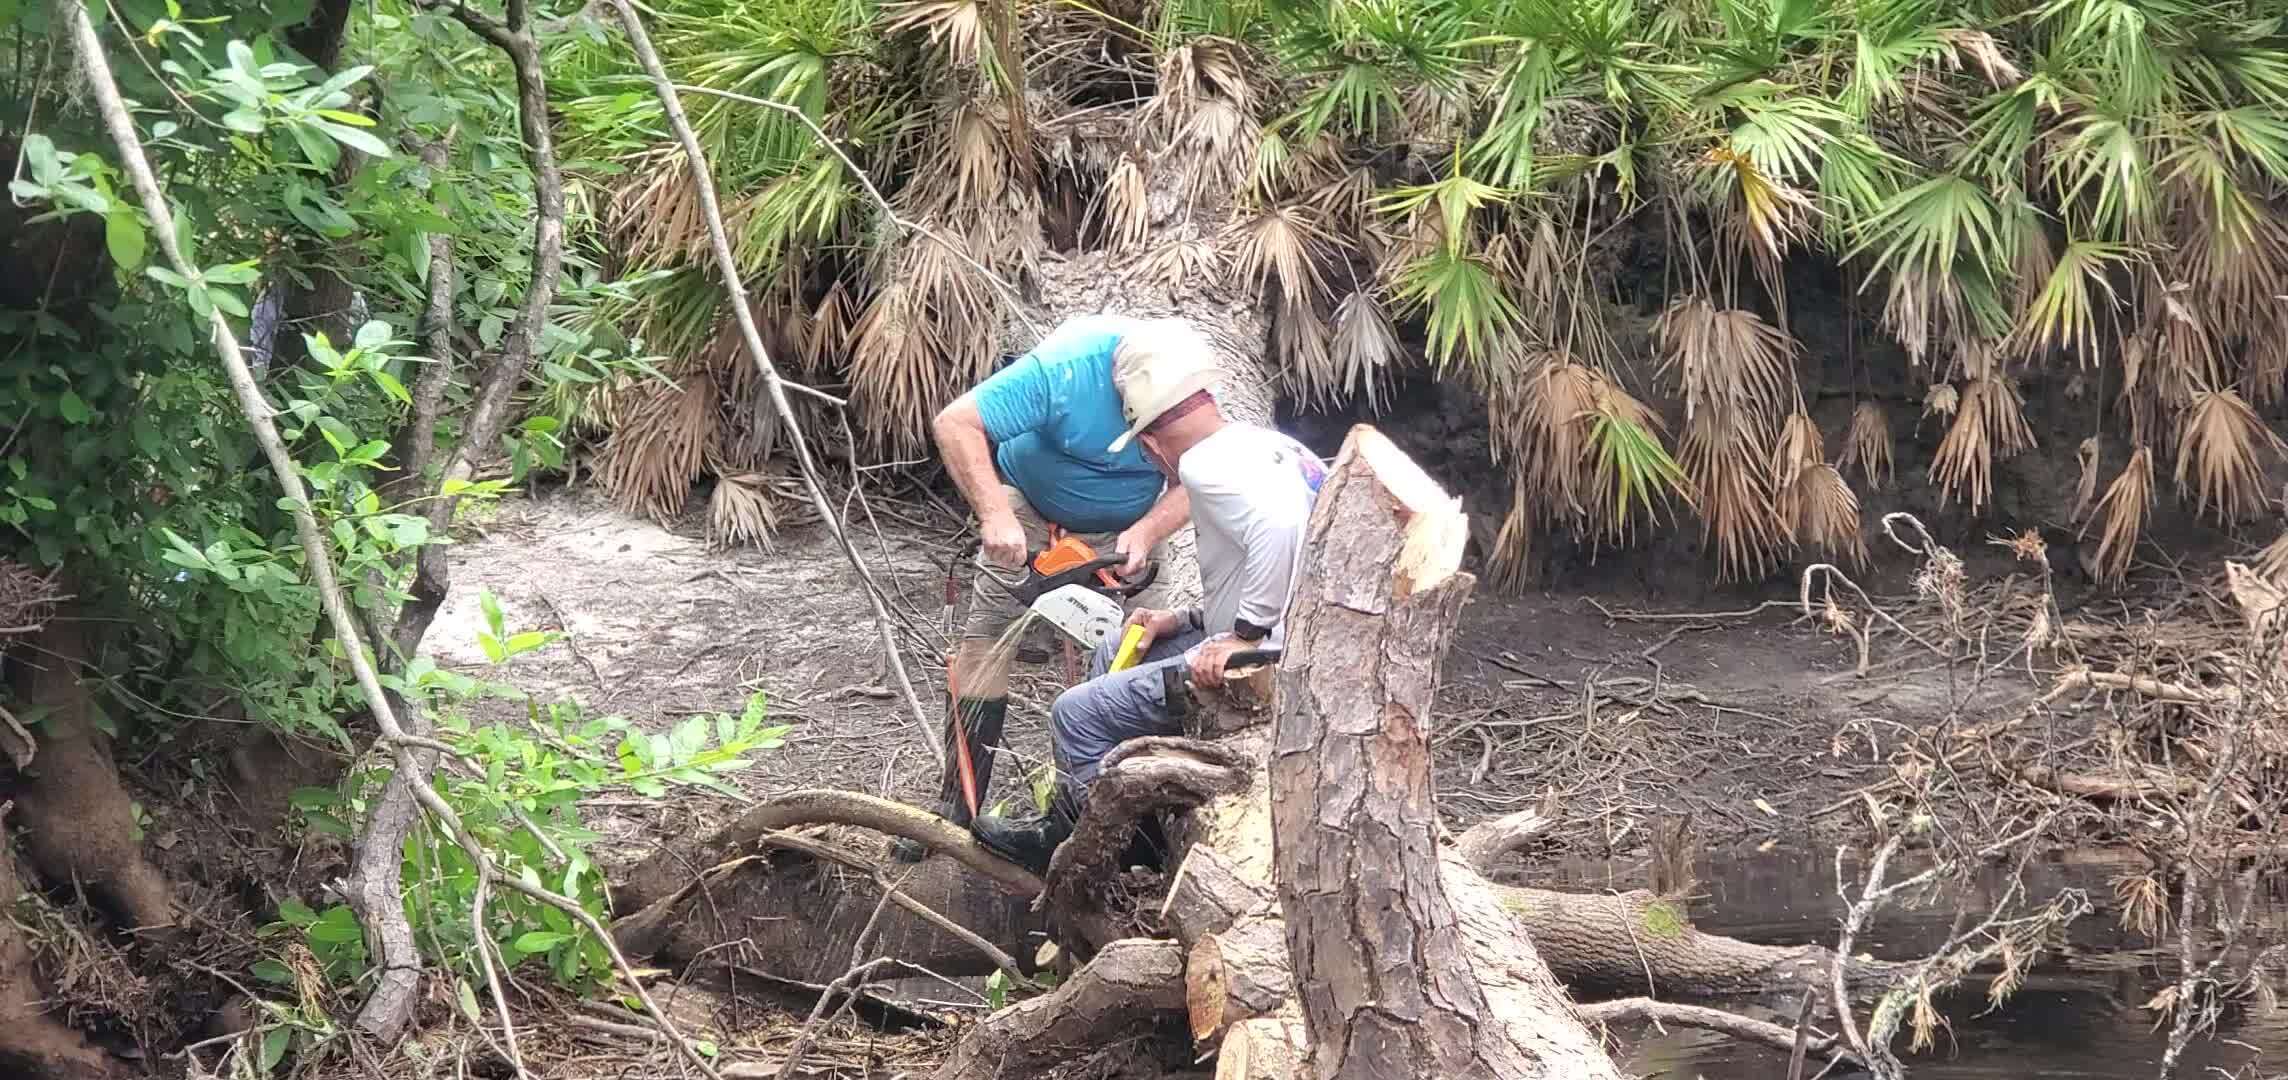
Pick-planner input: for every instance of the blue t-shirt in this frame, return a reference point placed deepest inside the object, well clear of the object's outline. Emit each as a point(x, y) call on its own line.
point(1051, 414)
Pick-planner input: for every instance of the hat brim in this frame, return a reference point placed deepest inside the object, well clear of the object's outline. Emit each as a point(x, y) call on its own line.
point(1184, 388)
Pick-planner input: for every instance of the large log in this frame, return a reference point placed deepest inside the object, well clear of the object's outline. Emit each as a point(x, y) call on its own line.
point(1389, 966)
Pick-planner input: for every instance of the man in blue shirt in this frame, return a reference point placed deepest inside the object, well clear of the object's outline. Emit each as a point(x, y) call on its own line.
point(1028, 449)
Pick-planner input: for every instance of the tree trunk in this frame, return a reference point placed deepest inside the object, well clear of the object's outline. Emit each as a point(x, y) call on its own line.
point(1387, 982)
point(1272, 1048)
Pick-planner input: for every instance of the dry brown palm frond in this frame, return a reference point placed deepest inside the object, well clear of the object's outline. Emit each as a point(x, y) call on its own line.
point(1923, 310)
point(660, 447)
point(1366, 348)
point(831, 324)
point(654, 215)
point(2123, 510)
point(742, 511)
point(2221, 446)
point(1989, 424)
point(1983, 53)
point(1127, 206)
point(1727, 361)
point(1509, 566)
point(1282, 246)
point(1191, 262)
point(2272, 562)
point(1220, 147)
point(1345, 199)
point(1812, 503)
point(1867, 445)
point(2085, 489)
point(1827, 515)
point(1734, 496)
point(2182, 356)
point(895, 372)
point(1299, 339)
point(979, 155)
point(2264, 358)
point(959, 26)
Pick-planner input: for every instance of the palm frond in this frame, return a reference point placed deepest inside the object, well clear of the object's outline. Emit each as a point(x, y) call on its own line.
point(1366, 349)
point(1283, 246)
point(2221, 449)
point(1989, 424)
point(2123, 510)
point(1867, 445)
point(1727, 361)
point(659, 448)
point(742, 511)
point(2065, 313)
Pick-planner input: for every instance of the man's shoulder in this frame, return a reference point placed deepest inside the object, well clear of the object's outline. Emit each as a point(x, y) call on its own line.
point(1241, 452)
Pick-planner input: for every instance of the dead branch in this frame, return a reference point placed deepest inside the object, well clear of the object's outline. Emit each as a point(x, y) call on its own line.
point(1720, 1021)
point(1485, 844)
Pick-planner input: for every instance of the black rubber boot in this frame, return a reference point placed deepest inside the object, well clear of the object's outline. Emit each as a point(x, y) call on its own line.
point(984, 718)
point(1029, 842)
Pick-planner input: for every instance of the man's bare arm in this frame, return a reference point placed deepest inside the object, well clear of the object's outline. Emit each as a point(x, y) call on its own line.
point(1173, 509)
point(968, 454)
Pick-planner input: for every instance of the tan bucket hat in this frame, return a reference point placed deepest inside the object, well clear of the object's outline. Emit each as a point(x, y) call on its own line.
point(1157, 365)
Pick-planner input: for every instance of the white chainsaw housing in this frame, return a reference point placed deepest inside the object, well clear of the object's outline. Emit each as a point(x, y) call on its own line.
point(1086, 615)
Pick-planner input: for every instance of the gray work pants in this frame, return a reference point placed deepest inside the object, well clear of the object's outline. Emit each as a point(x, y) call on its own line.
point(1090, 719)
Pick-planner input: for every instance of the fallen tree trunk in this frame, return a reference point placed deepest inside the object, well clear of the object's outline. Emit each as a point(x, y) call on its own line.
point(1388, 967)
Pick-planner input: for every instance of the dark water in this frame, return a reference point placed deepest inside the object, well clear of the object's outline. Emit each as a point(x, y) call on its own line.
point(2079, 1014)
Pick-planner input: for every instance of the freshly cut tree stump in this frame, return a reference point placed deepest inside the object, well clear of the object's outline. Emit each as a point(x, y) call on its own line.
point(1382, 957)
point(1271, 1048)
point(1235, 975)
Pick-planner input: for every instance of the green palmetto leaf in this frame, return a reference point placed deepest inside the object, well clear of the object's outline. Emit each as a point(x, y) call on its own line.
point(1882, 55)
point(2064, 314)
point(2102, 159)
point(1631, 459)
point(2004, 125)
point(1856, 178)
point(1522, 88)
point(1465, 304)
point(2231, 61)
point(2253, 136)
point(1454, 197)
point(1936, 225)
point(2116, 41)
point(1362, 52)
point(1784, 135)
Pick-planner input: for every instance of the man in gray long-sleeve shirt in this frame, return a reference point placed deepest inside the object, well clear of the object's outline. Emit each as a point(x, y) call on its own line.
point(1251, 493)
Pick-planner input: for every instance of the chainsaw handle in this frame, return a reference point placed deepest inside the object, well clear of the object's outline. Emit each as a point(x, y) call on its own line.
point(1251, 658)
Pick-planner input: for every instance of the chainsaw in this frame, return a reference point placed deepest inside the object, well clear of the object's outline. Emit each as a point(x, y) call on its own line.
point(1075, 590)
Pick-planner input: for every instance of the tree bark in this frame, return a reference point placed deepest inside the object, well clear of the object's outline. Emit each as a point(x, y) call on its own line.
point(1386, 982)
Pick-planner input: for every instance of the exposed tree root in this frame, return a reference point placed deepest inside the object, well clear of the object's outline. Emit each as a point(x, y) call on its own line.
point(1140, 778)
point(32, 1043)
point(1130, 987)
point(79, 824)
